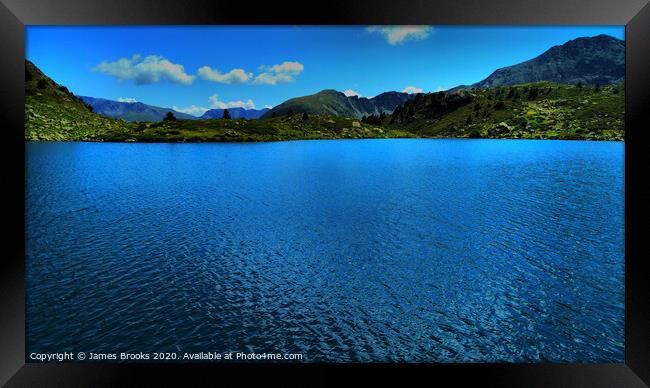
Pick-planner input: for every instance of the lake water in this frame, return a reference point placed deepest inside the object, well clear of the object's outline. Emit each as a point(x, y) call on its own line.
point(352, 250)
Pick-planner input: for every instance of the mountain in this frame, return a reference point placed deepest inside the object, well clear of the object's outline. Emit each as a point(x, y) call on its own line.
point(598, 60)
point(235, 113)
point(131, 111)
point(541, 110)
point(330, 102)
point(52, 112)
point(137, 111)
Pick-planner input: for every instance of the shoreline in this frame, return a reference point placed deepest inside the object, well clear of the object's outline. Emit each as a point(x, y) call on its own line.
point(312, 139)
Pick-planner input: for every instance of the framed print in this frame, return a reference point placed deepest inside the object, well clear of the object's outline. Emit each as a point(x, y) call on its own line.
point(449, 188)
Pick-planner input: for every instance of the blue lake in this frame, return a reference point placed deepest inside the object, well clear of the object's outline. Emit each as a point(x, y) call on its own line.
point(352, 250)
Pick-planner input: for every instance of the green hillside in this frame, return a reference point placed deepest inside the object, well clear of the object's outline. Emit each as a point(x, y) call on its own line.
point(53, 113)
point(330, 102)
point(540, 110)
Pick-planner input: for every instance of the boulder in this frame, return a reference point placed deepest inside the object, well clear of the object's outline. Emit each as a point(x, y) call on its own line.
point(499, 129)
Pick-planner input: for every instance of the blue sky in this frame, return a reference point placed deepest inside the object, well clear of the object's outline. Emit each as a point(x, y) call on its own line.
point(194, 68)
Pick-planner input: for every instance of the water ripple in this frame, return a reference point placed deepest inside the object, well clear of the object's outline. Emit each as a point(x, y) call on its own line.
point(345, 251)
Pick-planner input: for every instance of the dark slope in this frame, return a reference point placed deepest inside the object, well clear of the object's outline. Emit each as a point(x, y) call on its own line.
point(598, 60)
point(330, 102)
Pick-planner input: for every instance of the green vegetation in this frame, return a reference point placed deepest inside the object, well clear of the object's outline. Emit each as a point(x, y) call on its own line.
point(531, 111)
point(541, 110)
point(293, 127)
point(53, 113)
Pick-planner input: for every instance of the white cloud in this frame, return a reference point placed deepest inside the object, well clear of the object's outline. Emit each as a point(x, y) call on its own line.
point(191, 110)
point(151, 69)
point(215, 103)
point(399, 34)
point(154, 68)
point(234, 76)
point(350, 92)
point(286, 67)
point(412, 89)
point(127, 99)
point(268, 106)
point(273, 79)
point(441, 88)
point(281, 73)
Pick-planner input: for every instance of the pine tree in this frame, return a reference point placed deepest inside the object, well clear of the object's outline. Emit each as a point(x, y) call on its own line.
point(226, 114)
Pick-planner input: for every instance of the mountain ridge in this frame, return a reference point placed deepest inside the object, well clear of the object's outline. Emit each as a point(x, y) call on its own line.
point(334, 103)
point(597, 60)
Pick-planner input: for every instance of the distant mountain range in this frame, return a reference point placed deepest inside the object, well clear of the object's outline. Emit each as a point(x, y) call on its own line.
point(330, 102)
point(137, 111)
point(598, 60)
point(131, 111)
point(235, 113)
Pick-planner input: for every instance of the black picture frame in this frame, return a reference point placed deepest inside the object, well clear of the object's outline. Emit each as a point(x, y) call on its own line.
point(16, 14)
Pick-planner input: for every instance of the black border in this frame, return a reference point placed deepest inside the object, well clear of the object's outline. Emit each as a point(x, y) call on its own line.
point(15, 14)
